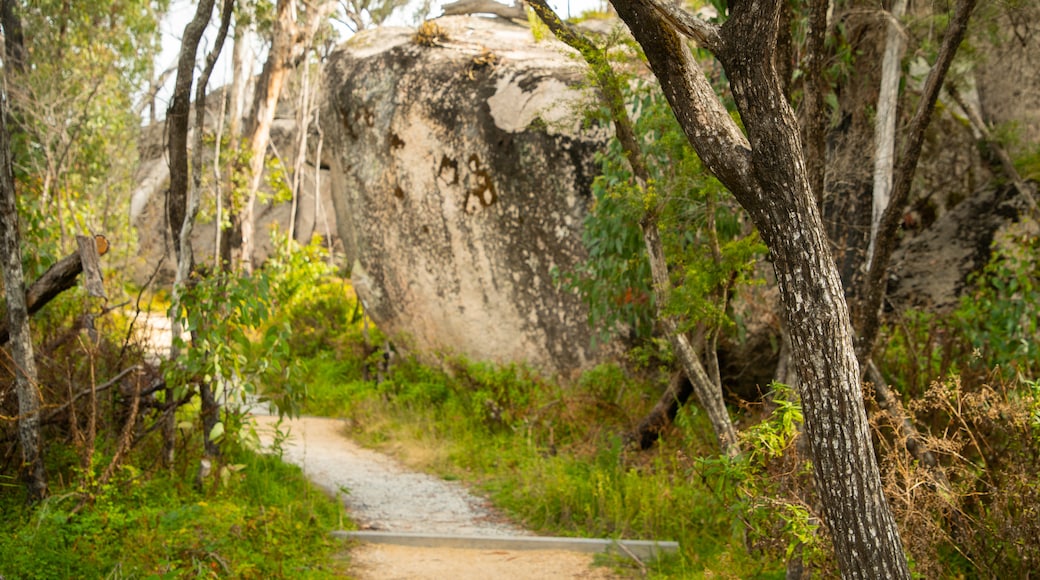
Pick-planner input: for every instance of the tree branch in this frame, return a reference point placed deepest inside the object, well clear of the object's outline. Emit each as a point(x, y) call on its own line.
point(719, 142)
point(706, 35)
point(460, 7)
point(58, 278)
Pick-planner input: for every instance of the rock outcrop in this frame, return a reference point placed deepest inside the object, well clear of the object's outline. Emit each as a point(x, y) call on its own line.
point(461, 177)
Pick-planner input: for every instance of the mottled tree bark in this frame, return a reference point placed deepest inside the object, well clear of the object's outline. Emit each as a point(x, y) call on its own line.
point(766, 172)
point(22, 361)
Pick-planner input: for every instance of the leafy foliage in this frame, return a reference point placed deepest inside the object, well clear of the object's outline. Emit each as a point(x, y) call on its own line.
point(1000, 317)
point(234, 343)
point(616, 281)
point(73, 114)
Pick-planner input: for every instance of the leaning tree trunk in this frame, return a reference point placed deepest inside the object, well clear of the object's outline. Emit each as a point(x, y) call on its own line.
point(23, 362)
point(766, 172)
point(708, 389)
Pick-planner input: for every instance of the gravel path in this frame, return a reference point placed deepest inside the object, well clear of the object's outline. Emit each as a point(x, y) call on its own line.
point(381, 494)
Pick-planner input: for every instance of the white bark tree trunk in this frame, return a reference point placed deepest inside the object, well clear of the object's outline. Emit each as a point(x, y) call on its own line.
point(288, 41)
point(22, 357)
point(885, 124)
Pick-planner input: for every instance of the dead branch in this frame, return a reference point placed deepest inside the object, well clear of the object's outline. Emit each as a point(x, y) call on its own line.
point(57, 279)
point(103, 387)
point(464, 7)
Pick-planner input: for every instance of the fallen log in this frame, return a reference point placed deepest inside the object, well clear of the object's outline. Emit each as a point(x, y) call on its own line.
point(463, 7)
point(62, 275)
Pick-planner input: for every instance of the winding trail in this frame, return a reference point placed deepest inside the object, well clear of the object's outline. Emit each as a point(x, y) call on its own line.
point(383, 495)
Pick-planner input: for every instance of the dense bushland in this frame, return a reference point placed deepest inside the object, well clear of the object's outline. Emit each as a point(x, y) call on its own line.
point(114, 510)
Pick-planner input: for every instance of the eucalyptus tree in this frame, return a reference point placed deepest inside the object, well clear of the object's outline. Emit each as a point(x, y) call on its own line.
point(72, 112)
point(762, 162)
point(182, 204)
point(294, 27)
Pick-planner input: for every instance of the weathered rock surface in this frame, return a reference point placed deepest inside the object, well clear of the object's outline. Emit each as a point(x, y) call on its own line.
point(930, 271)
point(461, 178)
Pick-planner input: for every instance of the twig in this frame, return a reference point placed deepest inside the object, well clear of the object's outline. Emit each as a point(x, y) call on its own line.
point(624, 548)
point(104, 387)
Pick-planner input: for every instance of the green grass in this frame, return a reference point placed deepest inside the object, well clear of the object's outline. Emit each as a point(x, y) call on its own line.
point(264, 521)
point(552, 456)
point(549, 455)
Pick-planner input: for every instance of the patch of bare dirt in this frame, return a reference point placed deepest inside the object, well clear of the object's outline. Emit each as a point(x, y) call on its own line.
point(385, 562)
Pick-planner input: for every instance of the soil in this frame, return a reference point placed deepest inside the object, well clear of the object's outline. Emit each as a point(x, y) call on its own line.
point(381, 494)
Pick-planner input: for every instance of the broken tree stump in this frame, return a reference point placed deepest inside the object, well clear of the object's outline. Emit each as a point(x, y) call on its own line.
point(62, 276)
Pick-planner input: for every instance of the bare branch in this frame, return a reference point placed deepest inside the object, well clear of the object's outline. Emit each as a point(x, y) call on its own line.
point(514, 12)
point(706, 35)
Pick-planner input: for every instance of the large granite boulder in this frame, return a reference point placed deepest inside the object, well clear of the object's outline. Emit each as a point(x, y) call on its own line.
point(461, 176)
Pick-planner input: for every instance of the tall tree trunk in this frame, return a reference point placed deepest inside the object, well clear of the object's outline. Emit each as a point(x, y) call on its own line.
point(14, 41)
point(241, 74)
point(265, 104)
point(885, 125)
point(22, 358)
point(766, 173)
point(289, 41)
point(303, 113)
point(210, 410)
point(177, 196)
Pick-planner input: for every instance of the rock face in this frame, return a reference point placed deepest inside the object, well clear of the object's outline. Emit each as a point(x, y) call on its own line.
point(461, 178)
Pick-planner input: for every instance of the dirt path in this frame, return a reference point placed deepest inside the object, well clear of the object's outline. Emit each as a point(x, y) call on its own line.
point(383, 495)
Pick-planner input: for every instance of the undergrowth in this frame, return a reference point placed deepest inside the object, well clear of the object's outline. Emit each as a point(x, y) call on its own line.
point(113, 510)
point(550, 455)
point(264, 520)
point(553, 455)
